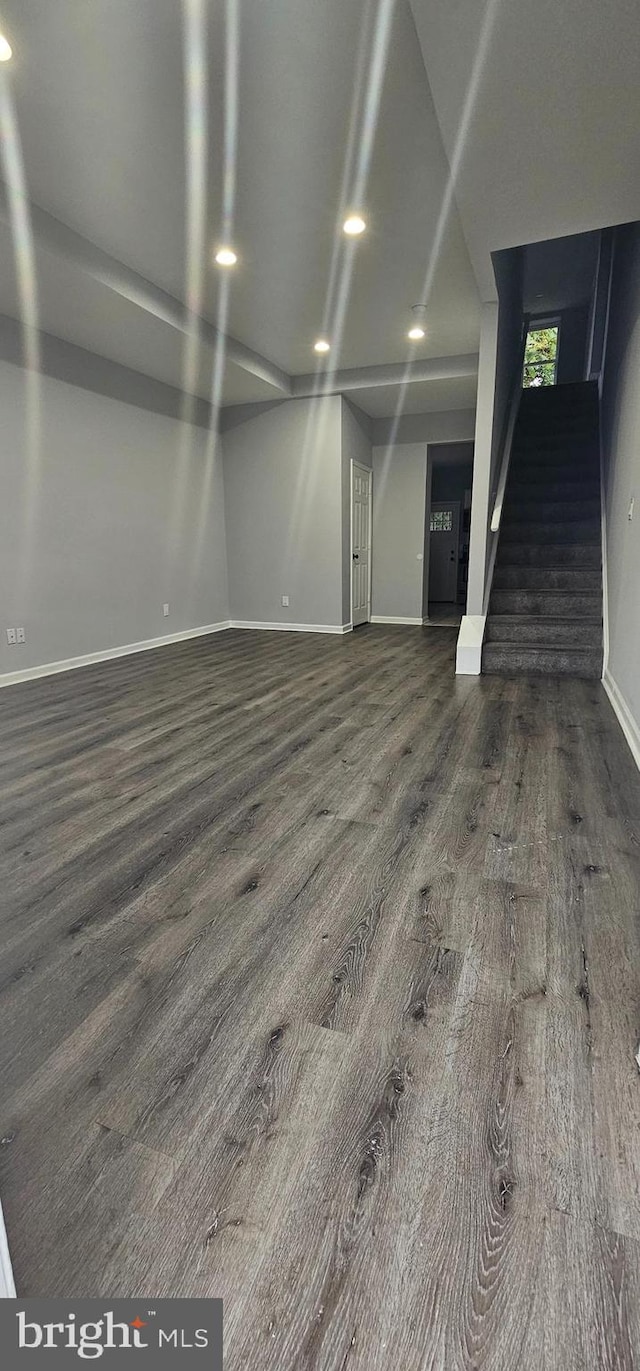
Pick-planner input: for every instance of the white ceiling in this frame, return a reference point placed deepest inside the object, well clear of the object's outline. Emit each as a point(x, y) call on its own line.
point(74, 306)
point(539, 107)
point(100, 98)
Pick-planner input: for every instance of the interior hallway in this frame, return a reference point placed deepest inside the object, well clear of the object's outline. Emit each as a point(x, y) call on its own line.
point(320, 986)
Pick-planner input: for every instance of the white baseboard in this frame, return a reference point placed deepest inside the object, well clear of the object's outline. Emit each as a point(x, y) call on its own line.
point(395, 619)
point(290, 628)
point(605, 580)
point(7, 1287)
point(469, 647)
point(623, 714)
point(31, 673)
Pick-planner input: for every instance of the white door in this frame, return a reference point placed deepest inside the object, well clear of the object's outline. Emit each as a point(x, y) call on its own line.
point(444, 531)
point(360, 544)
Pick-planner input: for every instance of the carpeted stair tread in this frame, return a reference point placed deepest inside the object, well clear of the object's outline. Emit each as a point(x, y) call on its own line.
point(543, 660)
point(551, 554)
point(549, 511)
point(576, 531)
point(576, 488)
point(541, 602)
point(519, 577)
point(547, 630)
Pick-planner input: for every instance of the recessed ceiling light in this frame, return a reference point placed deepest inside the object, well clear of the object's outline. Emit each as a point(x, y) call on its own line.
point(6, 51)
point(354, 225)
point(321, 345)
point(226, 257)
point(415, 333)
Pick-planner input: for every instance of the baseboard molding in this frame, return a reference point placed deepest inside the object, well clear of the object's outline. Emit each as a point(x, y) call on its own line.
point(32, 673)
point(624, 716)
point(7, 1286)
point(290, 628)
point(469, 646)
point(395, 619)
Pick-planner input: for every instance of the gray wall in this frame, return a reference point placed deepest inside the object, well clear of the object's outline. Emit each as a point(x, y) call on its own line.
point(356, 447)
point(440, 426)
point(399, 500)
point(284, 513)
point(67, 362)
point(91, 544)
point(621, 445)
point(572, 356)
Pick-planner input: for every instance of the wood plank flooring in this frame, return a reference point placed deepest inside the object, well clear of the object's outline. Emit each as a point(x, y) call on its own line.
point(320, 991)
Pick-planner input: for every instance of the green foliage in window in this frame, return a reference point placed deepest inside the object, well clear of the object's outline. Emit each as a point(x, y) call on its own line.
point(540, 357)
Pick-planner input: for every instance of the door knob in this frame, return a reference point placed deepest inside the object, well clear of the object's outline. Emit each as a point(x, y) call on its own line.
point(356, 556)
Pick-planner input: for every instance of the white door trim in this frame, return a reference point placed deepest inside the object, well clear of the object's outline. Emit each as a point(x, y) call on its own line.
point(369, 471)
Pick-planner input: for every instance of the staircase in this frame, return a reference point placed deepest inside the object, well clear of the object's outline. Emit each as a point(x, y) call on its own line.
point(545, 611)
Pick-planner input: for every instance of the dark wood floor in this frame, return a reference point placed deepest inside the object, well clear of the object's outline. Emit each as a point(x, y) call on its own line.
point(320, 991)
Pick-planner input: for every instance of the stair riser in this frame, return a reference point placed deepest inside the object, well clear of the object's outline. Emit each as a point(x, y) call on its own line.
point(577, 488)
point(561, 413)
point(550, 511)
point(539, 602)
point(551, 445)
point(565, 408)
point(554, 427)
point(549, 554)
point(557, 466)
point(546, 578)
point(530, 440)
point(582, 531)
point(583, 419)
point(502, 659)
point(534, 479)
point(556, 633)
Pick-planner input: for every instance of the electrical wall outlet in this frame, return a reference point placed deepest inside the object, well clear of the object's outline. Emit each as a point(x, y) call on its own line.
point(285, 601)
point(21, 635)
point(630, 516)
point(165, 610)
point(11, 635)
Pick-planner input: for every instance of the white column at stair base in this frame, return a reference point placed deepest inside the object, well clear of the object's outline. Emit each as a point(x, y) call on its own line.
point(7, 1287)
point(469, 649)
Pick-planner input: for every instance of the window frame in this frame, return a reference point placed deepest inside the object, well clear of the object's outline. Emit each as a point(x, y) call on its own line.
point(535, 324)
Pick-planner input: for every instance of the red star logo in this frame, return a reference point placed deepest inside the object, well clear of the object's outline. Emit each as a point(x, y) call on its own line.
point(138, 1322)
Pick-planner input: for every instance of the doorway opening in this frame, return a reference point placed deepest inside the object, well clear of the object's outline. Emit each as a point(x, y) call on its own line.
point(447, 531)
point(541, 353)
